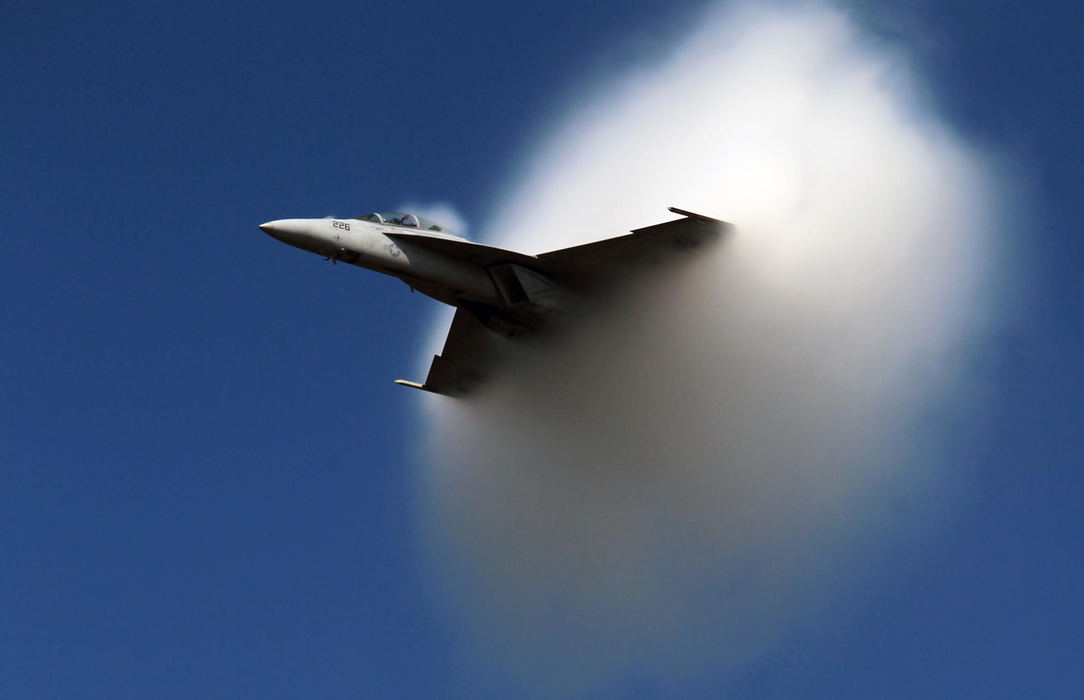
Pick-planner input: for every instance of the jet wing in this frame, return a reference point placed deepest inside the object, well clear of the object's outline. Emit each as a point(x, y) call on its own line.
point(472, 350)
point(601, 261)
point(469, 353)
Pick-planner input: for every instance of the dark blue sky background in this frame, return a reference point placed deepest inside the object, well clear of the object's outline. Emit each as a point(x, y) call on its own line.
point(206, 476)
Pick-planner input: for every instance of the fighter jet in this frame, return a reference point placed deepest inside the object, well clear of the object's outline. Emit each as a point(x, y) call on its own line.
point(496, 293)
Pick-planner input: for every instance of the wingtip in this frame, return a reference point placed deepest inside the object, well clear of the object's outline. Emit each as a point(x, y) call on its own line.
point(694, 215)
point(412, 385)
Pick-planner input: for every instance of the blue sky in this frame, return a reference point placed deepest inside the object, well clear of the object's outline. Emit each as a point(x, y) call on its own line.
point(207, 478)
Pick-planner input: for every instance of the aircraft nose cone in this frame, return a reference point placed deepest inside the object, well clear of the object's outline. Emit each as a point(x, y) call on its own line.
point(295, 232)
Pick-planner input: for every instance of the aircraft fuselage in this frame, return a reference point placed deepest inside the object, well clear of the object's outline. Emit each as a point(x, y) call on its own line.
point(366, 244)
point(496, 292)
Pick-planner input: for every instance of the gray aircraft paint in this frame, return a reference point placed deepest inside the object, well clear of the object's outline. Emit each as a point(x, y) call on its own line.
point(368, 245)
point(499, 294)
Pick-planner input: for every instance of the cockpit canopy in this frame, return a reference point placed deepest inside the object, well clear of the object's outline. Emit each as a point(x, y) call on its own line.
point(401, 218)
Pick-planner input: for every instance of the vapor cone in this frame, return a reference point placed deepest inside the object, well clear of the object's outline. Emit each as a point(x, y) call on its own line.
point(668, 488)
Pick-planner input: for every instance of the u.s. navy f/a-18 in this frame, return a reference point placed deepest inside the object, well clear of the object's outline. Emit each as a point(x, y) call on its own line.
point(495, 292)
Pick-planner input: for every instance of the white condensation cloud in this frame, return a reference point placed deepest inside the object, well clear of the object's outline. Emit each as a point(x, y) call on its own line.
point(673, 486)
